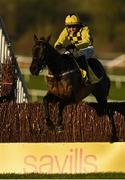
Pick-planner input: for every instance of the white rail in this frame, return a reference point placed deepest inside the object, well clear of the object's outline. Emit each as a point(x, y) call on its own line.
point(6, 50)
point(118, 79)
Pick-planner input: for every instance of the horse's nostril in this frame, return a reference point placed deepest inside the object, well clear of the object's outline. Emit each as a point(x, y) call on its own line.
point(30, 69)
point(36, 73)
point(33, 70)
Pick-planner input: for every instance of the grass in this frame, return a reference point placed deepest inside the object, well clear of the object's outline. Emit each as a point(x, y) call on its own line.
point(64, 176)
point(36, 82)
point(117, 94)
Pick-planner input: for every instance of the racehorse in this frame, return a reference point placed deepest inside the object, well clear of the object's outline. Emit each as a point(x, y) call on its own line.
point(65, 83)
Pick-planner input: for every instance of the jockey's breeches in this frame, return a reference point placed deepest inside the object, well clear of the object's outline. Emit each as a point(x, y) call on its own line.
point(87, 52)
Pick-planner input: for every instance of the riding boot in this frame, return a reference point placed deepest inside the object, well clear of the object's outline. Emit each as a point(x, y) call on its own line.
point(84, 65)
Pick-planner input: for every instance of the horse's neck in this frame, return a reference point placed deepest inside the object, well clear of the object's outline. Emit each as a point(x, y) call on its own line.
point(55, 61)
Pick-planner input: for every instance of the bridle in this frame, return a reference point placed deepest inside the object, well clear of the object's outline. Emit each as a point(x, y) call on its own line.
point(42, 55)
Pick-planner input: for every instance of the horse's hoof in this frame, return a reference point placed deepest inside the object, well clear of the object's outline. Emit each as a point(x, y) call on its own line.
point(114, 139)
point(50, 126)
point(60, 128)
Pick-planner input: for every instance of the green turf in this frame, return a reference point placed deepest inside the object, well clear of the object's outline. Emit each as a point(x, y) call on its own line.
point(117, 93)
point(64, 176)
point(37, 82)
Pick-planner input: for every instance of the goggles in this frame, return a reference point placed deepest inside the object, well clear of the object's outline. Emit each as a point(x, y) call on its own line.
point(72, 26)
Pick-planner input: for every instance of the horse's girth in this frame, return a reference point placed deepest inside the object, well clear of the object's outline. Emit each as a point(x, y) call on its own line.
point(65, 84)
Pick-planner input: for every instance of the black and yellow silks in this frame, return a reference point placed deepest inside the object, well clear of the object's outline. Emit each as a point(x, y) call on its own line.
point(80, 39)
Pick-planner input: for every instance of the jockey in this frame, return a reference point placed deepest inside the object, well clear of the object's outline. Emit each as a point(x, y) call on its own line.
point(79, 37)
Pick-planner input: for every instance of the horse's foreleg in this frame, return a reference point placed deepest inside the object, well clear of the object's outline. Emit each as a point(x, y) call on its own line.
point(60, 126)
point(46, 101)
point(113, 137)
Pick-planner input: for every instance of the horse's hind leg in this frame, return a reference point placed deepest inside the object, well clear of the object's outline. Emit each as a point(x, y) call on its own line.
point(46, 101)
point(102, 90)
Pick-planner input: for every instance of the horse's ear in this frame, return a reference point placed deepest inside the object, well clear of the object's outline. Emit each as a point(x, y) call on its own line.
point(48, 38)
point(35, 37)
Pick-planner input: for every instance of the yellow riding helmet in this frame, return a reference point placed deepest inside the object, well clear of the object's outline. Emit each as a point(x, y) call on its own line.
point(72, 20)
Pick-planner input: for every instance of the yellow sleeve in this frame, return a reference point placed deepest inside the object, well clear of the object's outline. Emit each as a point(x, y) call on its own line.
point(86, 39)
point(62, 37)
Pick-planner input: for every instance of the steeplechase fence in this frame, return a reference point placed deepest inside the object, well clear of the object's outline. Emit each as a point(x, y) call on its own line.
point(83, 122)
point(12, 86)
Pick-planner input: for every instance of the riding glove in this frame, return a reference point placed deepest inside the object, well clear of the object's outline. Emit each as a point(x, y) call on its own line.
point(70, 46)
point(59, 47)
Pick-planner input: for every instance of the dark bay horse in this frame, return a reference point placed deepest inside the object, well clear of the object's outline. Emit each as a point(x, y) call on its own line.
point(65, 83)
